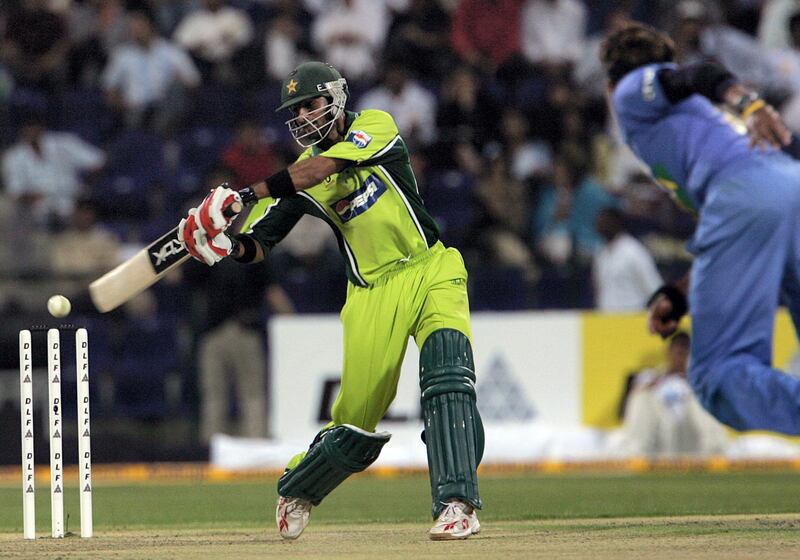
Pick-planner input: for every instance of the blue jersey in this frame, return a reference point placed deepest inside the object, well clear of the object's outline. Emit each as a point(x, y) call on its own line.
point(746, 246)
point(685, 144)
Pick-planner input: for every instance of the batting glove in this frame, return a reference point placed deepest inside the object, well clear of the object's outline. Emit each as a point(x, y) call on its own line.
point(199, 243)
point(216, 211)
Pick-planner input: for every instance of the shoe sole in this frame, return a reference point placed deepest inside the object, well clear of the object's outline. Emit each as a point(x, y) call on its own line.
point(452, 536)
point(449, 537)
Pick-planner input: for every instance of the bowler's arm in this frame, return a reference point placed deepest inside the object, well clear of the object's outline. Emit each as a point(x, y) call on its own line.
point(715, 82)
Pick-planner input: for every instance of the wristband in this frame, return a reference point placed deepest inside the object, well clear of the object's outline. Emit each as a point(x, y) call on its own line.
point(280, 184)
point(248, 196)
point(753, 107)
point(680, 304)
point(745, 101)
point(249, 246)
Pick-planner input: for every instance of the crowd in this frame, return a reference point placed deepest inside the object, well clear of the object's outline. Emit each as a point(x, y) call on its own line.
point(114, 115)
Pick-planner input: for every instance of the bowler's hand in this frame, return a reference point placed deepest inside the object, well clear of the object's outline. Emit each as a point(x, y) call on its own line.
point(661, 317)
point(766, 128)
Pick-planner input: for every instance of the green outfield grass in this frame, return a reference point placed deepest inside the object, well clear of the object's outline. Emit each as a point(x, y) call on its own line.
point(369, 499)
point(615, 516)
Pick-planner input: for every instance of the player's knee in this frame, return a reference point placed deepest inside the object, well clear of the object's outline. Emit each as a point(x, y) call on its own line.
point(699, 378)
point(446, 365)
point(707, 379)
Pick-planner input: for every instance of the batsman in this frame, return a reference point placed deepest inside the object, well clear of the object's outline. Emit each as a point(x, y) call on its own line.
point(355, 175)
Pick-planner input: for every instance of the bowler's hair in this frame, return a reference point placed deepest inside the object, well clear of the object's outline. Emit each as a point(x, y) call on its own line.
point(634, 45)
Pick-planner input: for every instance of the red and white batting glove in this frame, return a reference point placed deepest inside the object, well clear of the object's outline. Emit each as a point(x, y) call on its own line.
point(201, 232)
point(199, 244)
point(212, 211)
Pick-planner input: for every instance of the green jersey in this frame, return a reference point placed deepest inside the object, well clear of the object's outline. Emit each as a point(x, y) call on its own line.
point(373, 205)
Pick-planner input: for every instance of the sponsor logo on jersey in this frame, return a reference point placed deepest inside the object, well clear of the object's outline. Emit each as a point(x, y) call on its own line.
point(360, 138)
point(359, 201)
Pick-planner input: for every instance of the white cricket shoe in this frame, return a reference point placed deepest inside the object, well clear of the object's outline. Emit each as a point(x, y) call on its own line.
point(292, 516)
point(457, 521)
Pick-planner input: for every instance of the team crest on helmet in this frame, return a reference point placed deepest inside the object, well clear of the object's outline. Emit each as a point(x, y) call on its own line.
point(291, 87)
point(360, 138)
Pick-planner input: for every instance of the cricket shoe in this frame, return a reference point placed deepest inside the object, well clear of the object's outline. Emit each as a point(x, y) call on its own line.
point(292, 516)
point(457, 521)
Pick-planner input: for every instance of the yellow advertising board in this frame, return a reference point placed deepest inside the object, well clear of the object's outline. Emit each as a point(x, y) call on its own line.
point(616, 346)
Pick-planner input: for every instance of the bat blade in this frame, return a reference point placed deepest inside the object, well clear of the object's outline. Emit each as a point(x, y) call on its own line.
point(138, 273)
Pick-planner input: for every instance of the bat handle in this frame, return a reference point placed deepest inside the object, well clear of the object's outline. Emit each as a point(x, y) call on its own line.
point(232, 209)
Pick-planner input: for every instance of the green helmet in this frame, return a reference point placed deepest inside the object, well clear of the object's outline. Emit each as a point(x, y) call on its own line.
point(309, 80)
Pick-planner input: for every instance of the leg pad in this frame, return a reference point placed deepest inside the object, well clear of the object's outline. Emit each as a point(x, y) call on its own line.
point(336, 454)
point(453, 427)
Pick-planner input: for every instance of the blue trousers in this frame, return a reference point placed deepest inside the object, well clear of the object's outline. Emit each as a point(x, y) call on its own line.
point(747, 252)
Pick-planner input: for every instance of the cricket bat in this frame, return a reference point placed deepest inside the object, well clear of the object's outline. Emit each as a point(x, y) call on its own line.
point(143, 269)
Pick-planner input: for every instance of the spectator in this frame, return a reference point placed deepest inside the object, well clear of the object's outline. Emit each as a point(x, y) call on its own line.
point(35, 46)
point(699, 35)
point(418, 37)
point(250, 157)
point(43, 170)
point(790, 65)
point(287, 42)
point(350, 35)
point(662, 417)
point(84, 249)
point(231, 349)
point(483, 35)
point(466, 119)
point(624, 272)
point(413, 107)
point(146, 79)
point(504, 208)
point(215, 34)
point(773, 28)
point(588, 73)
point(564, 221)
point(553, 33)
point(95, 29)
point(527, 158)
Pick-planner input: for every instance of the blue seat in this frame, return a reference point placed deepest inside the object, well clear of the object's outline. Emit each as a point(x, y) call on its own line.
point(142, 367)
point(85, 113)
point(201, 147)
point(29, 100)
point(498, 288)
point(120, 196)
point(137, 152)
point(263, 103)
point(184, 185)
point(135, 168)
point(450, 200)
point(216, 105)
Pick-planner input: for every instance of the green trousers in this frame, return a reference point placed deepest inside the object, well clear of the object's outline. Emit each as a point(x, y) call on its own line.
point(427, 293)
point(415, 298)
